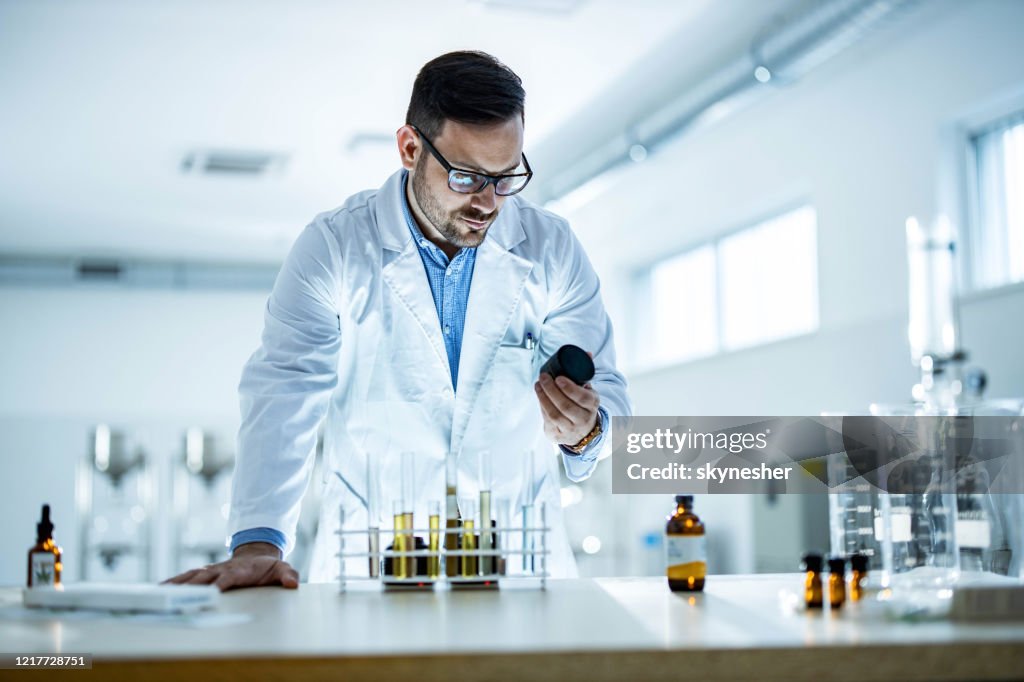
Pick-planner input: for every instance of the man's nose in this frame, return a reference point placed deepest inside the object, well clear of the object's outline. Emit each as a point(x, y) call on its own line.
point(485, 200)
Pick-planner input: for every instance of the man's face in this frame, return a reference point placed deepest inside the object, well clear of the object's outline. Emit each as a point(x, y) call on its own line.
point(463, 219)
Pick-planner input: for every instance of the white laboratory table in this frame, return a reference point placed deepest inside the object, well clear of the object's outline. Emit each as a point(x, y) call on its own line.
point(586, 629)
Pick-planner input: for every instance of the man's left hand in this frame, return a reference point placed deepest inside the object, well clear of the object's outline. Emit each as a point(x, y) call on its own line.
point(570, 411)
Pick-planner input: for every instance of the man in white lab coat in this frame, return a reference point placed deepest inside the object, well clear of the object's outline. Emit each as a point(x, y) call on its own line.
point(414, 319)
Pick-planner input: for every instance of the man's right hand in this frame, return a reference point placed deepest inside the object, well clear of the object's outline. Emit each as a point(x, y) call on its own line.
point(252, 565)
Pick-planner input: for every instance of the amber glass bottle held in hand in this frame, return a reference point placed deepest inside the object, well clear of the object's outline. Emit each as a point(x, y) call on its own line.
point(686, 552)
point(44, 564)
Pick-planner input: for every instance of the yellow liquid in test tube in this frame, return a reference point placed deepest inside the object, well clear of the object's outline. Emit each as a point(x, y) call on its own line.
point(468, 543)
point(399, 545)
point(410, 545)
point(434, 560)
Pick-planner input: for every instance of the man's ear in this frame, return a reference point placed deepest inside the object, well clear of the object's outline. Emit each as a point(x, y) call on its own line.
point(409, 146)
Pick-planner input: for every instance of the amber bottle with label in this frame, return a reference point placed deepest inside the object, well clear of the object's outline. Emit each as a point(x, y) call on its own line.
point(685, 549)
point(44, 565)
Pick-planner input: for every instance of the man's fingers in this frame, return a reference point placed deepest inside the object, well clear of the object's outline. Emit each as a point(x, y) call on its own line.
point(584, 396)
point(551, 411)
point(566, 407)
point(241, 571)
point(205, 576)
point(225, 581)
point(287, 576)
point(572, 410)
point(181, 578)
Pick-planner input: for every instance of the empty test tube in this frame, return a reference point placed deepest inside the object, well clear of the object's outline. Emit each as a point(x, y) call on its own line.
point(486, 537)
point(373, 513)
point(527, 510)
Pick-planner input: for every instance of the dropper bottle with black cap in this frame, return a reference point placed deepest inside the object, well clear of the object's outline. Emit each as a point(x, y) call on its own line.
point(44, 564)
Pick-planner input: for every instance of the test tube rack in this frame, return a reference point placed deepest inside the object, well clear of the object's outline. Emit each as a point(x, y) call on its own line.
point(534, 553)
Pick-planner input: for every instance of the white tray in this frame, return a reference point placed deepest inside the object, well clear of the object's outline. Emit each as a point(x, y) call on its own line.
point(123, 597)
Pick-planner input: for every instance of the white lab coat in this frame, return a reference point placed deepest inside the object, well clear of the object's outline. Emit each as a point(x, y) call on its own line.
point(351, 333)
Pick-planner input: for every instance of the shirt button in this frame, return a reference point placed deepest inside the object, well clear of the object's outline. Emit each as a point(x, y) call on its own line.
point(447, 330)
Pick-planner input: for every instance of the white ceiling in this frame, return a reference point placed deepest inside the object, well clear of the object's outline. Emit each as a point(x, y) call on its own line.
point(102, 100)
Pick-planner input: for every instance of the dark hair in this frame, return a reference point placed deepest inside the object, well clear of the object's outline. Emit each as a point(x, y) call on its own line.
point(468, 87)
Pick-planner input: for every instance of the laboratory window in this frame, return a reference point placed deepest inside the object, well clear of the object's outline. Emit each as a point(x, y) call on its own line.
point(996, 228)
point(769, 280)
point(755, 285)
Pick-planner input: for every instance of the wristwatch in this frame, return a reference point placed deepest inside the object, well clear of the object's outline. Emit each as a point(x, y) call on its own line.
point(587, 439)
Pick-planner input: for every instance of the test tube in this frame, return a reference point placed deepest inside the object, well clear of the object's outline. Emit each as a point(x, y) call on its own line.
point(400, 568)
point(434, 560)
point(468, 535)
point(408, 503)
point(527, 509)
point(501, 512)
point(408, 475)
point(451, 539)
point(373, 513)
point(486, 537)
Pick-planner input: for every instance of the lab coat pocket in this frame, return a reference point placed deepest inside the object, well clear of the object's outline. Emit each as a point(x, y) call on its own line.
point(508, 422)
point(514, 365)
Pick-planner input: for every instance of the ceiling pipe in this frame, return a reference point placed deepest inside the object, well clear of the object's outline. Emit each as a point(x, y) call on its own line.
point(782, 53)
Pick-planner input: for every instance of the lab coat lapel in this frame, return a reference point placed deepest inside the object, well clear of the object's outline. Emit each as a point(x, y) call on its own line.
point(407, 279)
point(497, 287)
point(404, 272)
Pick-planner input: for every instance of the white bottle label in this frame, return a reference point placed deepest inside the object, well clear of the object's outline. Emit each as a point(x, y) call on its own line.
point(685, 549)
point(972, 533)
point(44, 569)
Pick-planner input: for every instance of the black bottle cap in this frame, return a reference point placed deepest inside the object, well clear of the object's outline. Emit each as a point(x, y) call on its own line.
point(837, 564)
point(572, 362)
point(44, 529)
point(812, 562)
point(686, 500)
point(859, 562)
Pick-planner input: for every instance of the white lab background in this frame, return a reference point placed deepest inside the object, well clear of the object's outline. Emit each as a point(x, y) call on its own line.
point(108, 110)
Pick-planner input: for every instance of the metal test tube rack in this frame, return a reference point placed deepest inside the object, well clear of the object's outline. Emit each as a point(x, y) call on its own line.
point(538, 552)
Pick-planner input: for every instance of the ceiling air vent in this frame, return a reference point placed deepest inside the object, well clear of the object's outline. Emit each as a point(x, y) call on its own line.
point(232, 163)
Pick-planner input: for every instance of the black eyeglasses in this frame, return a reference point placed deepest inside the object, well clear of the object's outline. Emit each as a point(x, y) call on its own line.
point(471, 182)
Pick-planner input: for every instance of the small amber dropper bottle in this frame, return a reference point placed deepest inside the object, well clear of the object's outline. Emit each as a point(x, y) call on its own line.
point(836, 582)
point(44, 564)
point(812, 581)
point(858, 574)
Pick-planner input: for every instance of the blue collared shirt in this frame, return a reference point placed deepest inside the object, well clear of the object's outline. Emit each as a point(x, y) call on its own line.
point(450, 280)
point(449, 285)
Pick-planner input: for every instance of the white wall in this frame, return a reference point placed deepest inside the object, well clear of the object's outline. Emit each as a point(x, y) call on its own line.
point(149, 361)
point(860, 139)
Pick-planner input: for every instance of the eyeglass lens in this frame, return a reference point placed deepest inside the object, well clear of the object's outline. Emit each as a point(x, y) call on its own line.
point(468, 183)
